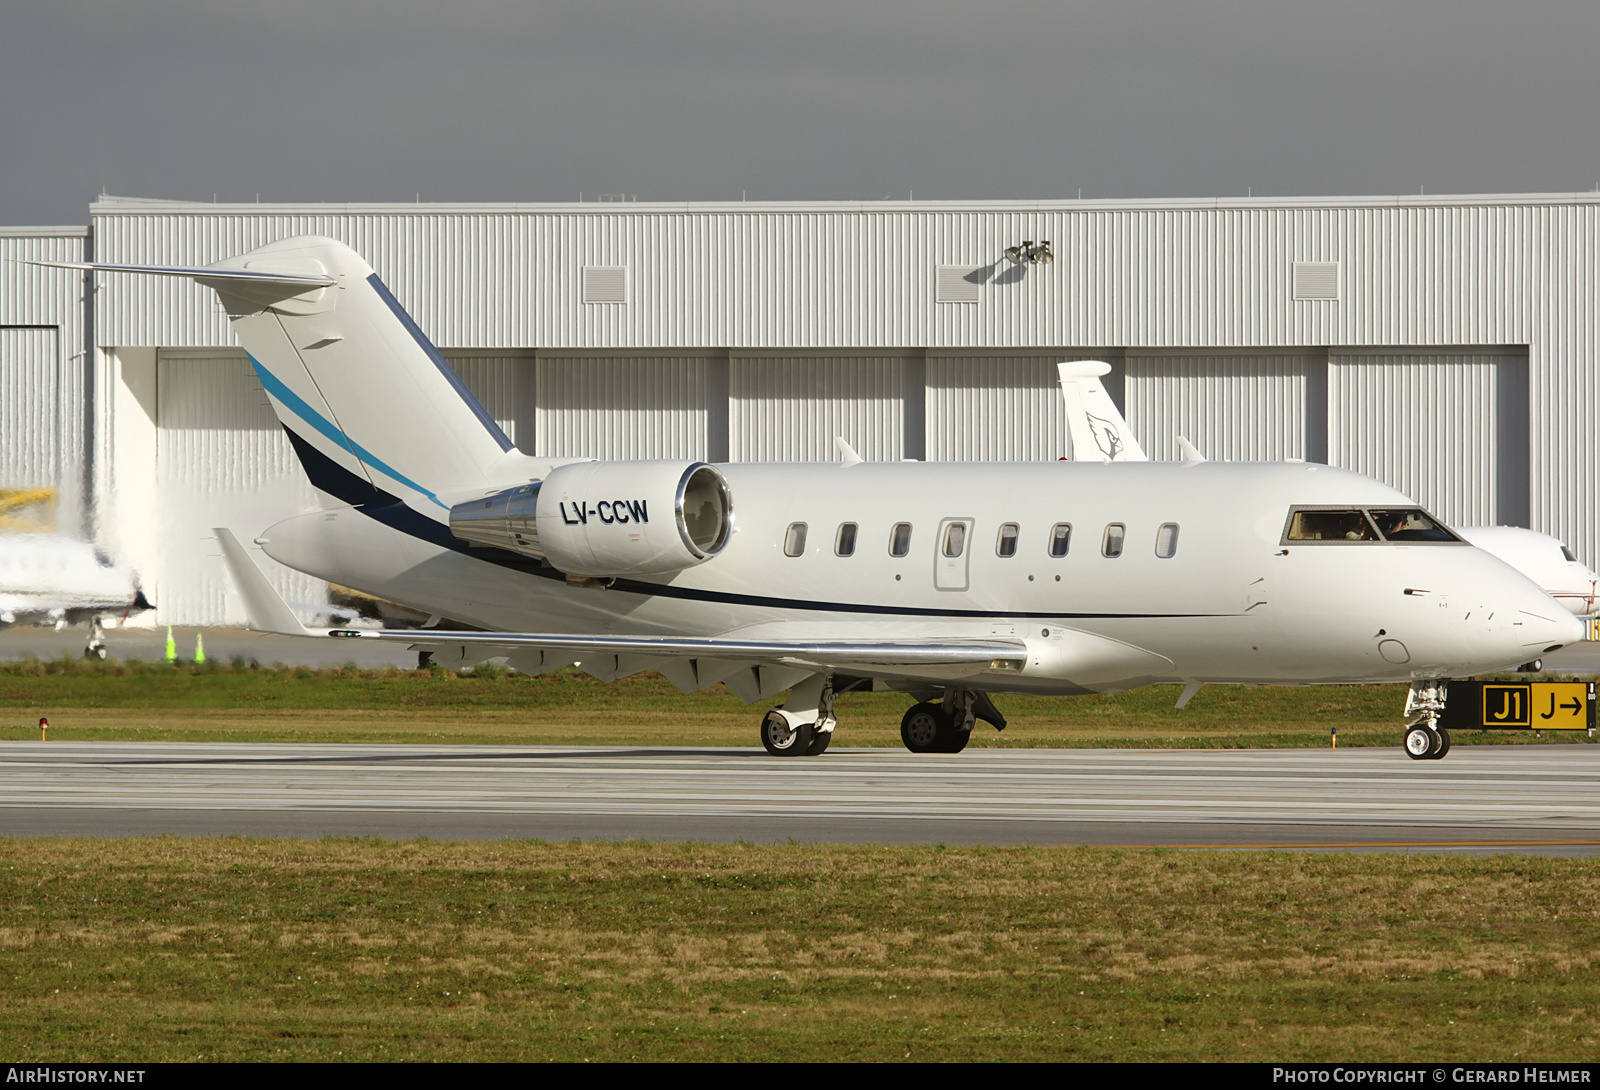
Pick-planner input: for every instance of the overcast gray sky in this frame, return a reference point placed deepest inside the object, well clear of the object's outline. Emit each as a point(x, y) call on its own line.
point(495, 100)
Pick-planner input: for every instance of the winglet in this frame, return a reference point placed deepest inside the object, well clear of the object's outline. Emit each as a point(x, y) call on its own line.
point(1191, 453)
point(847, 453)
point(265, 607)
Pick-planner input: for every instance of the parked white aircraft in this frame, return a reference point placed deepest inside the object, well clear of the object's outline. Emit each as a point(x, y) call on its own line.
point(57, 580)
point(1100, 433)
point(947, 582)
point(1543, 559)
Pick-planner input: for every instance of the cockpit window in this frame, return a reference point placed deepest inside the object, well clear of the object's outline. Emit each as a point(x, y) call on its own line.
point(1409, 524)
point(1401, 525)
point(1330, 526)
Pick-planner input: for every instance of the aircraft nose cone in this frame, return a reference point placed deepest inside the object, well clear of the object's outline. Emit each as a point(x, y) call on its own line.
point(1545, 626)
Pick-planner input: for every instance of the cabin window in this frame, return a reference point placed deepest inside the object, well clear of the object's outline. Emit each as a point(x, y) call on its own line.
point(1060, 539)
point(844, 544)
point(955, 538)
point(1006, 543)
point(900, 539)
point(794, 542)
point(1111, 545)
point(1167, 540)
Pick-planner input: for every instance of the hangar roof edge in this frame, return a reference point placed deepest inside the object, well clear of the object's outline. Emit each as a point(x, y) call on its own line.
point(136, 206)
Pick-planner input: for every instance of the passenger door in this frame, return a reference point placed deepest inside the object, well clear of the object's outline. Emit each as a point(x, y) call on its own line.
point(952, 547)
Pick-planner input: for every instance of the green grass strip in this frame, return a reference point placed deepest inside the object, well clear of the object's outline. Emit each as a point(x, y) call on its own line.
point(239, 949)
point(88, 701)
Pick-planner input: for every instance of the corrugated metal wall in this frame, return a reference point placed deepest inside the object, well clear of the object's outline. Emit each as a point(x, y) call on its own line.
point(1235, 407)
point(43, 368)
point(1135, 274)
point(30, 408)
point(786, 407)
point(221, 460)
point(504, 382)
point(993, 407)
point(858, 280)
point(637, 406)
point(1422, 422)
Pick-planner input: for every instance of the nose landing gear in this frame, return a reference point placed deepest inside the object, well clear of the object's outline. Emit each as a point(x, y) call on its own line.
point(1427, 744)
point(1425, 739)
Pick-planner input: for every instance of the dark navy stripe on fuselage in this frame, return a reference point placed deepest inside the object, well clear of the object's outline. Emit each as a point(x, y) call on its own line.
point(330, 477)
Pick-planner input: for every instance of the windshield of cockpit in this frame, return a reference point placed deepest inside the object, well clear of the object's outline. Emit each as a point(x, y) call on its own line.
point(1374, 525)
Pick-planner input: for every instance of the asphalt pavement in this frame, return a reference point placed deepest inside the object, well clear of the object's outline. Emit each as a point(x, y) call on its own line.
point(1532, 799)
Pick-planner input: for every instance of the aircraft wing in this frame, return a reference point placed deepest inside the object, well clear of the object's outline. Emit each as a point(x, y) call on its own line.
point(267, 612)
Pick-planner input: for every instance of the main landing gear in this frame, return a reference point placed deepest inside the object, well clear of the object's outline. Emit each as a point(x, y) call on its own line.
point(946, 726)
point(1425, 739)
point(96, 646)
point(804, 726)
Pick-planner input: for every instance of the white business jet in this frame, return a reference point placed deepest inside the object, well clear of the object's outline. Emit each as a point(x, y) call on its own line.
point(947, 582)
point(51, 579)
point(1543, 559)
point(1100, 433)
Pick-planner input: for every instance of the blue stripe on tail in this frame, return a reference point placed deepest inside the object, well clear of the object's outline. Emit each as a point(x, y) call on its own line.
point(295, 404)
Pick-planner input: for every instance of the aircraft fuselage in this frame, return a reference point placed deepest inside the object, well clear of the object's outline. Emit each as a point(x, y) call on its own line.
point(1233, 602)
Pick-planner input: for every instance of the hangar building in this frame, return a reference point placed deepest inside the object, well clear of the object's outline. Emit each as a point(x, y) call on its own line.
point(1449, 346)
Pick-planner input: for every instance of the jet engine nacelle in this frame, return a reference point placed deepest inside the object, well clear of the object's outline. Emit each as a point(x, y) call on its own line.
point(605, 519)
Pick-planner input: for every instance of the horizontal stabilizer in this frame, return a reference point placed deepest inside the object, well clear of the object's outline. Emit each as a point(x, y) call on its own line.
point(202, 272)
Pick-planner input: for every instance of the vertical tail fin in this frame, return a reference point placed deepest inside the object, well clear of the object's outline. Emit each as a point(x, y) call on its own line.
point(1097, 428)
point(371, 407)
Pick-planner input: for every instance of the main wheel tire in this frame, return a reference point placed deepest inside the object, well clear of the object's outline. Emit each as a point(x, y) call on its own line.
point(819, 742)
point(958, 739)
point(782, 740)
point(926, 729)
point(1420, 742)
point(1444, 745)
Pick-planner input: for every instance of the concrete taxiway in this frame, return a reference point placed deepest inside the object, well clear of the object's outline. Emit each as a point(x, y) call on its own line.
point(1536, 799)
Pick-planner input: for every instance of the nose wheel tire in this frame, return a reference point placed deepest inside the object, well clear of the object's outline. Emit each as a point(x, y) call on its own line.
point(782, 740)
point(1422, 744)
point(819, 742)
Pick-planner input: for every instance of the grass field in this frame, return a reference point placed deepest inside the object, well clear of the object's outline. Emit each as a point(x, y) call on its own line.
point(221, 702)
point(169, 949)
point(175, 949)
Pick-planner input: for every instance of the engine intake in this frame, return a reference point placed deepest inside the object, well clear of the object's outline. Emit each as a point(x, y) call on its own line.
point(605, 519)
